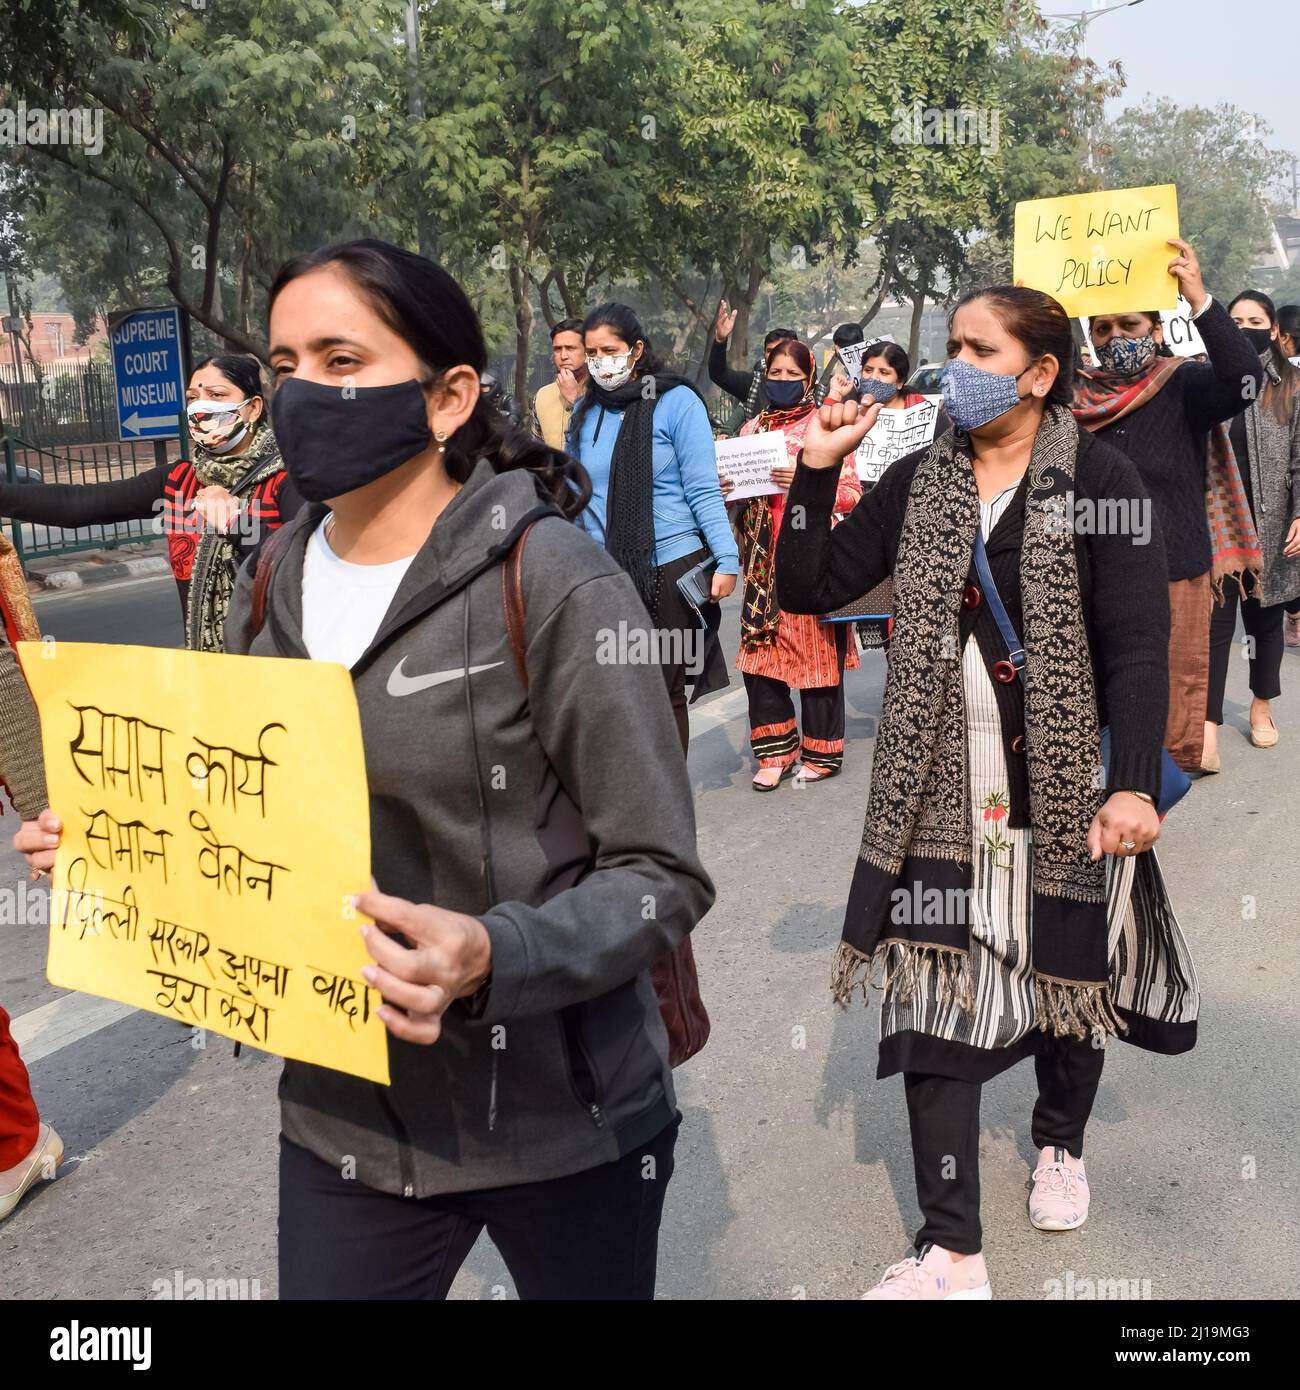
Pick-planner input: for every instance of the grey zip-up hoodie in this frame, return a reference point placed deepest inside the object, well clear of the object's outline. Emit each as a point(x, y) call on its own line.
point(565, 1065)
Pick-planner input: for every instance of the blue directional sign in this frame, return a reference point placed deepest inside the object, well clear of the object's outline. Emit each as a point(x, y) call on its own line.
point(148, 373)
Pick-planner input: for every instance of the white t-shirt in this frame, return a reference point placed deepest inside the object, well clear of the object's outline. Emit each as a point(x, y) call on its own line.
point(342, 603)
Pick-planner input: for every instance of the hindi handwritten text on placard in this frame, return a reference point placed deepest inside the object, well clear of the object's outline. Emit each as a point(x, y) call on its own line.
point(215, 825)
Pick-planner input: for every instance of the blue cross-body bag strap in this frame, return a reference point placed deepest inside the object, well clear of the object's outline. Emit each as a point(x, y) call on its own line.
point(1015, 648)
point(1174, 782)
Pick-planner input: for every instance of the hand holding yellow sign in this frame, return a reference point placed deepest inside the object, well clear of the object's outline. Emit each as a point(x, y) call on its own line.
point(1100, 253)
point(215, 826)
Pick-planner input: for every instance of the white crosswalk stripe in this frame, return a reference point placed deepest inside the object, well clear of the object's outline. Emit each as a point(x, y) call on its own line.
point(62, 1022)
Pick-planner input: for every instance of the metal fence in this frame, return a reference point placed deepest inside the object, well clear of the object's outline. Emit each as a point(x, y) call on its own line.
point(59, 402)
point(59, 426)
point(32, 466)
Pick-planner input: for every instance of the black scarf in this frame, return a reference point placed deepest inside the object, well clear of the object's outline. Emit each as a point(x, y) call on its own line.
point(629, 504)
point(918, 825)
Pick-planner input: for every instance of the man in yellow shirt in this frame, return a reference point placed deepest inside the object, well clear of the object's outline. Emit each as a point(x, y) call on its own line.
point(553, 404)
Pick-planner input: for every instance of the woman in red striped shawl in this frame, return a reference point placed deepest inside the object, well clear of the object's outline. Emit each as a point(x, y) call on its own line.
point(216, 507)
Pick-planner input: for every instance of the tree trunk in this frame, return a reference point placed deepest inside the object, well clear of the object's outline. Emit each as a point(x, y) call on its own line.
point(918, 310)
point(523, 329)
point(754, 271)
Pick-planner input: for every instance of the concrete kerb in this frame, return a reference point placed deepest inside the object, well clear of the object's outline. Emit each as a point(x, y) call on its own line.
point(87, 572)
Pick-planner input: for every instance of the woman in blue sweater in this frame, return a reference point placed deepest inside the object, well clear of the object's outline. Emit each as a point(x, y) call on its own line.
point(643, 435)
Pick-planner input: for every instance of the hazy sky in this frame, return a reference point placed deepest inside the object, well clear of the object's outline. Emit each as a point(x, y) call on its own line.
point(1203, 52)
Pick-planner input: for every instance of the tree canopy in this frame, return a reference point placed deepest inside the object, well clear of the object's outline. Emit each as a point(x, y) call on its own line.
point(797, 157)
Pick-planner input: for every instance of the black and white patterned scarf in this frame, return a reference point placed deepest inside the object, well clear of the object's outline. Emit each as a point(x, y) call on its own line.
point(918, 830)
point(216, 559)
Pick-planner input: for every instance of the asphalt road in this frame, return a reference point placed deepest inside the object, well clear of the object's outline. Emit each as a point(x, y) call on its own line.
point(793, 1168)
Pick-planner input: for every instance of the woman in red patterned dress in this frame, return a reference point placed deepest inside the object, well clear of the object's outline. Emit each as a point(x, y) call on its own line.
point(782, 652)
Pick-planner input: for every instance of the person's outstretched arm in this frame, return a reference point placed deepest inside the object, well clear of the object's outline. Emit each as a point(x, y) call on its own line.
point(1225, 385)
point(73, 505)
point(607, 729)
point(820, 569)
point(734, 382)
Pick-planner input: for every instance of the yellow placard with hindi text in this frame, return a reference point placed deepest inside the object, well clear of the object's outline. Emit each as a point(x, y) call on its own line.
point(1100, 253)
point(216, 824)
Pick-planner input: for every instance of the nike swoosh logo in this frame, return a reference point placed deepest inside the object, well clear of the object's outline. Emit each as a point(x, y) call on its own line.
point(399, 684)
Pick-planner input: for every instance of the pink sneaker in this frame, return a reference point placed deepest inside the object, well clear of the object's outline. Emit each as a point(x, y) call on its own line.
point(1059, 1201)
point(934, 1276)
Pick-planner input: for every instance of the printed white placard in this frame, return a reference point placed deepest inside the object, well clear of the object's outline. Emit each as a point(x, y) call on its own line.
point(851, 357)
point(748, 461)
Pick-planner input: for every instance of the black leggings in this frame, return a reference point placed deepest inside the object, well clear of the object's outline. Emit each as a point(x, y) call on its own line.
point(945, 1120)
point(593, 1235)
point(1264, 626)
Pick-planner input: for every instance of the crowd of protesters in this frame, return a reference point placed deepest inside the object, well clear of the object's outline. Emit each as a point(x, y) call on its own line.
point(323, 523)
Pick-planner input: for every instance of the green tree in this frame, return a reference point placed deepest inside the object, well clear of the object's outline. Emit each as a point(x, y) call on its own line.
point(1051, 99)
point(44, 43)
point(755, 154)
point(230, 135)
point(532, 152)
point(1223, 170)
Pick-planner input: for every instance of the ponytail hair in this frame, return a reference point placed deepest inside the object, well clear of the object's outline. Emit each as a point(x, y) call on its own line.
point(429, 311)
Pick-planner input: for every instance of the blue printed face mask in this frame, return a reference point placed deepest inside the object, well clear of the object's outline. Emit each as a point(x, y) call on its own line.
point(785, 395)
point(973, 397)
point(875, 389)
point(1126, 356)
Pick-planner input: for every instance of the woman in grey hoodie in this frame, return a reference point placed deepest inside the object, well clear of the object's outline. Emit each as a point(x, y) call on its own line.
point(533, 849)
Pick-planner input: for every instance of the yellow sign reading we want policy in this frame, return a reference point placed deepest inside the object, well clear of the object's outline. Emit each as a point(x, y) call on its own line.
point(1100, 253)
point(215, 825)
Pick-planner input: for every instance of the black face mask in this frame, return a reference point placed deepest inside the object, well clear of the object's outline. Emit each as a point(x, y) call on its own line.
point(1260, 338)
point(785, 395)
point(334, 441)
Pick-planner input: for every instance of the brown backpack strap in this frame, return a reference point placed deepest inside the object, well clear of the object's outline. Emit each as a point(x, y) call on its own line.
point(266, 557)
point(512, 598)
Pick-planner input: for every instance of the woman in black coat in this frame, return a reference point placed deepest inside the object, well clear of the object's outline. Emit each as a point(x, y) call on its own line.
point(1000, 854)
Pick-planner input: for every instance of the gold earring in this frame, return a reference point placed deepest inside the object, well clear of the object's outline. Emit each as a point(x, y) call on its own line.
point(441, 437)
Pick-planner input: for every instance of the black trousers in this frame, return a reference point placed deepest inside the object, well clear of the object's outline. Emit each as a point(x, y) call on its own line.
point(674, 614)
point(774, 731)
point(1264, 627)
point(945, 1120)
point(593, 1235)
point(821, 709)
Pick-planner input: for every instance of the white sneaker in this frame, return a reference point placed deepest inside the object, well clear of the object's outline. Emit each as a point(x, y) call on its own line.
point(42, 1162)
